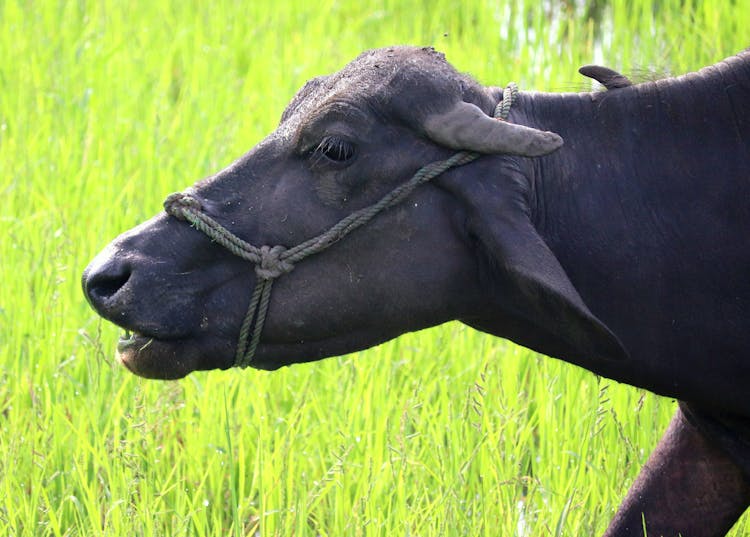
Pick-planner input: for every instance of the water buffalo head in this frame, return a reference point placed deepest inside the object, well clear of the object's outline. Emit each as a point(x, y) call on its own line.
point(344, 142)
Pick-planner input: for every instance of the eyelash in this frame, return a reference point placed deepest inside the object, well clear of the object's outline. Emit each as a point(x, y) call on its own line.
point(334, 149)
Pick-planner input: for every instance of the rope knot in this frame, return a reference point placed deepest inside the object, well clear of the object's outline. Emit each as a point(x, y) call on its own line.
point(271, 265)
point(178, 203)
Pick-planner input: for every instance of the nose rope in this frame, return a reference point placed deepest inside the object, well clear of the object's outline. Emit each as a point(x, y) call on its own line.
point(271, 262)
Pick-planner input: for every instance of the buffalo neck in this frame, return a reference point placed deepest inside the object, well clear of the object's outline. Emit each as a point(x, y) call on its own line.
point(636, 155)
point(652, 138)
point(645, 205)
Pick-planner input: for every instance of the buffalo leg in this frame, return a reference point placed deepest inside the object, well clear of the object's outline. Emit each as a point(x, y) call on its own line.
point(688, 487)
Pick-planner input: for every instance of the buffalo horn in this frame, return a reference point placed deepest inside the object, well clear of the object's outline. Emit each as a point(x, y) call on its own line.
point(466, 127)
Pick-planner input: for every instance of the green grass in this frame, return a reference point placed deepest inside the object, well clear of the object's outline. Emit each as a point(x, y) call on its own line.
point(106, 107)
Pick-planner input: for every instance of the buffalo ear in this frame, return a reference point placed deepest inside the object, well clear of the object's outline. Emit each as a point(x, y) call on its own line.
point(545, 310)
point(465, 127)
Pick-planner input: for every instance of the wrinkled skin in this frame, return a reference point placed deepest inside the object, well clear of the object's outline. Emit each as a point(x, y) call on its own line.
point(623, 252)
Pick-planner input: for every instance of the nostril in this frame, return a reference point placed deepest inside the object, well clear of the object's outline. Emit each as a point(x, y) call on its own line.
point(107, 285)
point(102, 281)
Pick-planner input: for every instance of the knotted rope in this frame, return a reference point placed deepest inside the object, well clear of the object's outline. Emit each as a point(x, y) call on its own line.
point(271, 262)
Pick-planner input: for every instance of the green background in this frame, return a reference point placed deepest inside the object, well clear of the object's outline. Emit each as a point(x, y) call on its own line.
point(106, 107)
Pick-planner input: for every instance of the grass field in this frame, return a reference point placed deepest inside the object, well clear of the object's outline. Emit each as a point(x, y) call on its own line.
point(106, 107)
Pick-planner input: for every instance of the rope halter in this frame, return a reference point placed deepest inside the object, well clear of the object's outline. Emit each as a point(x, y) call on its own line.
point(271, 262)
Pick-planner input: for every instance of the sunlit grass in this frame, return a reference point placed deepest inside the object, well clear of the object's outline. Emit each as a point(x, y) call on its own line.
point(105, 108)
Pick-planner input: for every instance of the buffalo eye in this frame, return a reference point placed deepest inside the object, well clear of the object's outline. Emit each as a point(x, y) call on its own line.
point(333, 149)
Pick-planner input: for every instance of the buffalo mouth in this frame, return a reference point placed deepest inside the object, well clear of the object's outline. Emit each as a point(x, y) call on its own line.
point(168, 359)
point(130, 340)
point(174, 358)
